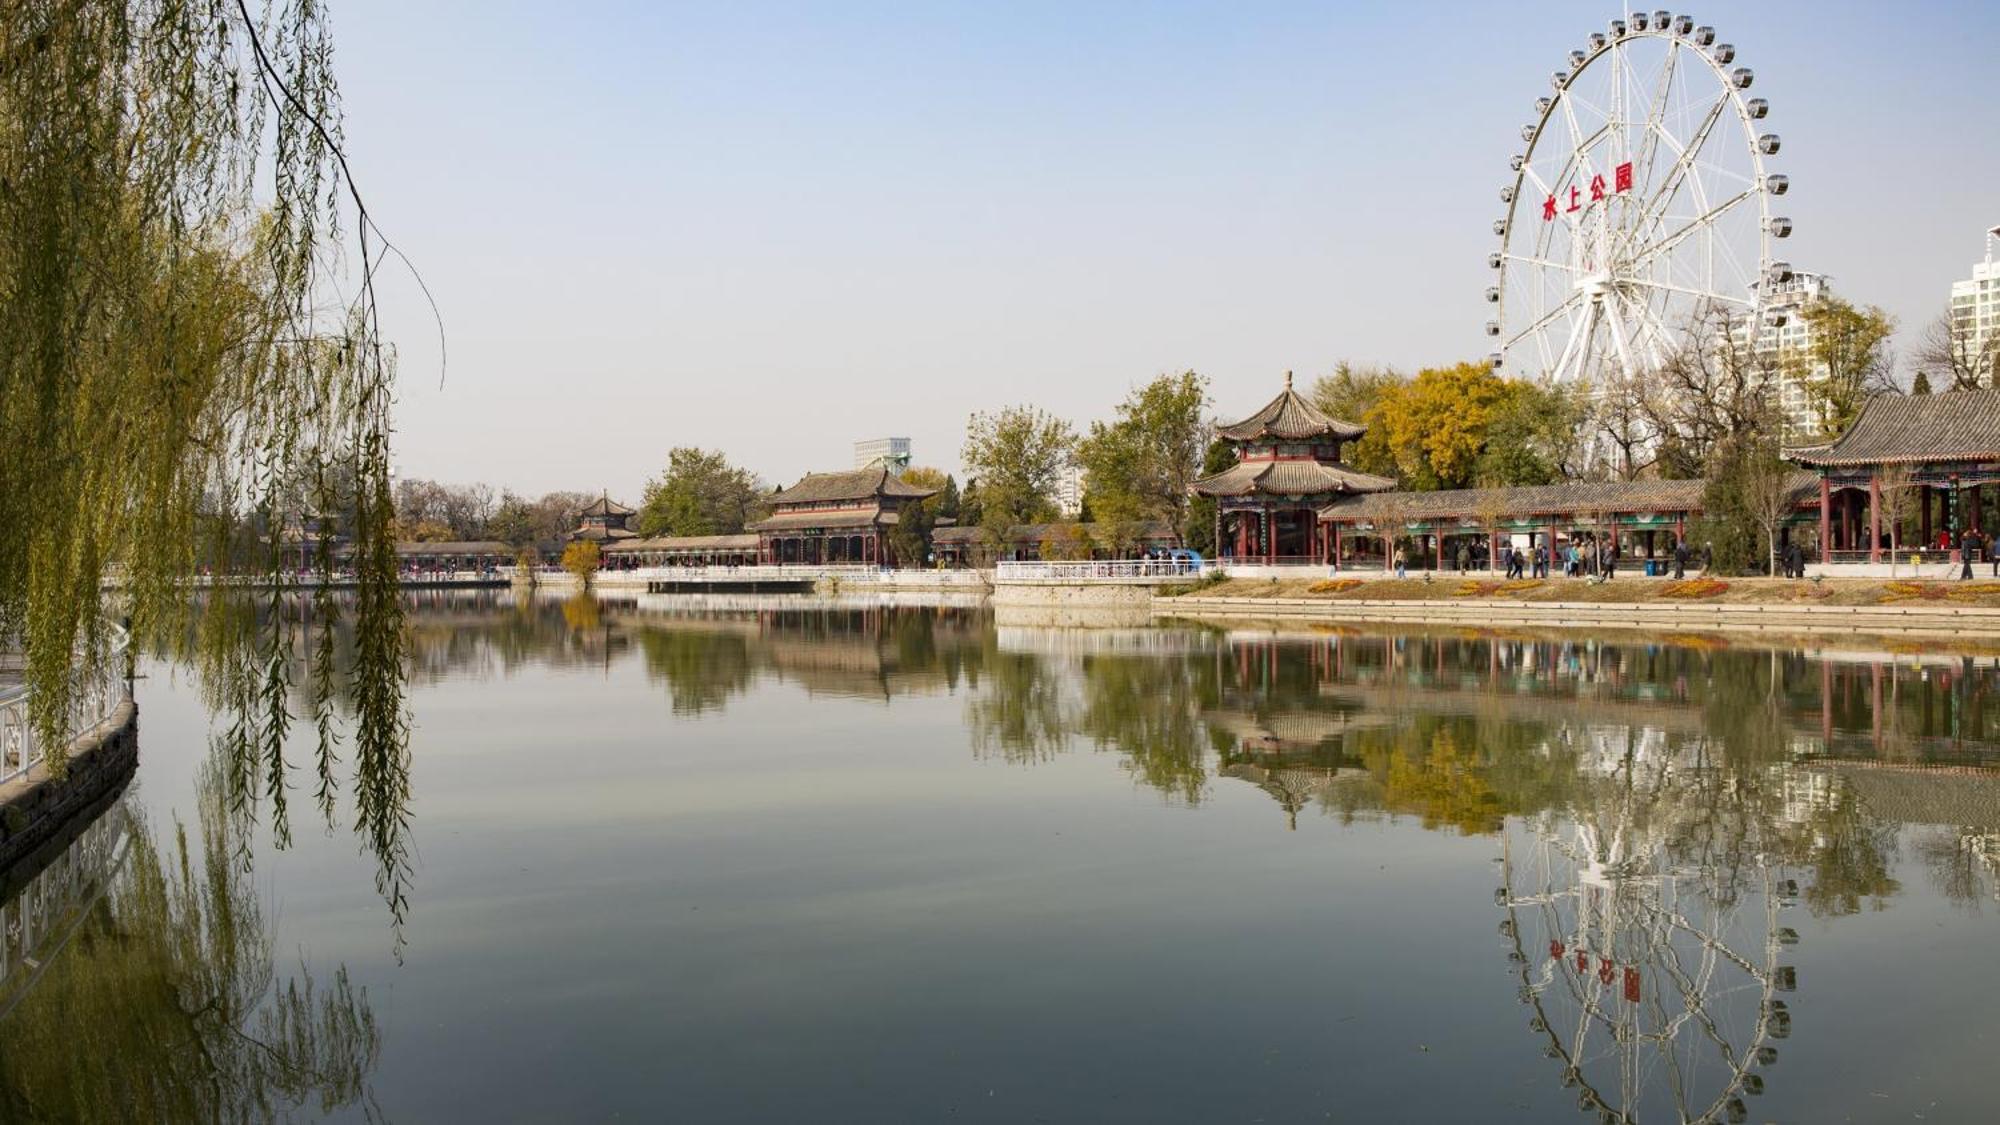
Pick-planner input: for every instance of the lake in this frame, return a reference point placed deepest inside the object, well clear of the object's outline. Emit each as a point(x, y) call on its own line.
point(791, 859)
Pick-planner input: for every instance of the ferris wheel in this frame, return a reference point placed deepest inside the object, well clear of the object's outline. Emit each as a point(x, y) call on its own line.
point(1654, 978)
point(1641, 205)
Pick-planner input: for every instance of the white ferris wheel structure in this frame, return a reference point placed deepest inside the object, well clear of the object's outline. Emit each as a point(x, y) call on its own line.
point(1641, 204)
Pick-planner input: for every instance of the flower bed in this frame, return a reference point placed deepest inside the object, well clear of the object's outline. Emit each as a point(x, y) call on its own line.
point(1694, 588)
point(1333, 586)
point(1478, 589)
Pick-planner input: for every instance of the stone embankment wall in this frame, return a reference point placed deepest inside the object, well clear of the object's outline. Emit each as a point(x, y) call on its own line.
point(1918, 620)
point(35, 807)
point(1055, 593)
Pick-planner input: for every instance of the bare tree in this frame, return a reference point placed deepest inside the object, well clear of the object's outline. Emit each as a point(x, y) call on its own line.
point(1623, 421)
point(1715, 388)
point(1767, 495)
point(1894, 489)
point(1955, 347)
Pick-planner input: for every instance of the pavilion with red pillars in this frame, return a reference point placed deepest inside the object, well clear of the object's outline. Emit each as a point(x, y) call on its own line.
point(1940, 450)
point(1287, 468)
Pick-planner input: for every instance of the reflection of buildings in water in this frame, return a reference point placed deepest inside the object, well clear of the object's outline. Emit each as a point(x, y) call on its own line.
point(1295, 756)
point(1644, 927)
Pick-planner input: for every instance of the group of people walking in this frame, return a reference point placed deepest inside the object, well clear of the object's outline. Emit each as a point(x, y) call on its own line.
point(1578, 560)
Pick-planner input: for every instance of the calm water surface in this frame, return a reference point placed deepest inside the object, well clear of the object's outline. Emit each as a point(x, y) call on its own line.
point(773, 861)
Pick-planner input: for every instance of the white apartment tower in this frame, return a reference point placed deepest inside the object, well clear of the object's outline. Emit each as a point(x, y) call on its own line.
point(1782, 335)
point(891, 451)
point(1975, 302)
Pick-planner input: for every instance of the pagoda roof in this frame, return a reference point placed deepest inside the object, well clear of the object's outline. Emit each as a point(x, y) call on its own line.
point(1289, 478)
point(1914, 429)
point(605, 506)
point(602, 534)
point(1290, 417)
point(853, 484)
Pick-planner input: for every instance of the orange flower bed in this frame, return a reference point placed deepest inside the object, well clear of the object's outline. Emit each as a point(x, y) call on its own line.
point(1333, 586)
point(1694, 588)
point(1936, 591)
point(1701, 641)
point(1478, 589)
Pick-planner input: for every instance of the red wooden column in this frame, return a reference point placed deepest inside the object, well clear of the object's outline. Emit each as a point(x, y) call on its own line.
point(1270, 535)
point(1924, 505)
point(1874, 518)
point(1825, 520)
point(1493, 552)
point(1439, 537)
point(1334, 546)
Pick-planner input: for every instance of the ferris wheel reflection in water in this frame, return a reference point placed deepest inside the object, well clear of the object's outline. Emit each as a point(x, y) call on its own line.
point(1645, 927)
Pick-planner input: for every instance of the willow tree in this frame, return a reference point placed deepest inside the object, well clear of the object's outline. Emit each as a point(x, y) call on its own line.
point(189, 347)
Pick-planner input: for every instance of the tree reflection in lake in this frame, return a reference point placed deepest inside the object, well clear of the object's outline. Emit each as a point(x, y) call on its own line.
point(151, 992)
point(1666, 816)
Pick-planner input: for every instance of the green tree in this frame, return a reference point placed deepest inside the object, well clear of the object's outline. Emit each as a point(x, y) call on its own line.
point(947, 499)
point(1019, 455)
point(1200, 535)
point(1921, 385)
point(700, 493)
point(1532, 435)
point(1847, 361)
point(1141, 464)
point(911, 538)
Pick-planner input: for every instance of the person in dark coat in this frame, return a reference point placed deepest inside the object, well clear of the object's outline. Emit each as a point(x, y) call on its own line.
point(1681, 559)
point(1967, 543)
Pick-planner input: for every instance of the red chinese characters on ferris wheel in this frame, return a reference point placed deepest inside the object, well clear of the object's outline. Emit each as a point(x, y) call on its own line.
point(1621, 182)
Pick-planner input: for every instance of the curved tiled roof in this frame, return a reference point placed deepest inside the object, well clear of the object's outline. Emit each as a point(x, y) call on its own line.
point(853, 517)
point(1568, 498)
point(606, 506)
point(688, 543)
point(1914, 429)
point(854, 484)
point(1290, 418)
point(1289, 478)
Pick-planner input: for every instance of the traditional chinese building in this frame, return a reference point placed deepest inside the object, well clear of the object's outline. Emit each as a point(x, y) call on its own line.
point(837, 518)
point(1934, 453)
point(1287, 468)
point(682, 550)
point(603, 522)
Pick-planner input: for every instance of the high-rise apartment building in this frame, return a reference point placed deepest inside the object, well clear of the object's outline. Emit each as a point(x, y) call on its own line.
point(1783, 345)
point(891, 451)
point(1975, 308)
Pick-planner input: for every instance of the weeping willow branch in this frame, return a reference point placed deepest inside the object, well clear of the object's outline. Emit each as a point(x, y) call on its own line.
point(181, 379)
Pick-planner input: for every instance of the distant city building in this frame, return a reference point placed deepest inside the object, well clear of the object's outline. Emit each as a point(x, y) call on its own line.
point(1784, 340)
point(1069, 491)
point(1975, 303)
point(889, 452)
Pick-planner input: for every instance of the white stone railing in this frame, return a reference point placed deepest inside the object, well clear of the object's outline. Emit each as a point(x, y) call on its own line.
point(1101, 569)
point(39, 920)
point(95, 693)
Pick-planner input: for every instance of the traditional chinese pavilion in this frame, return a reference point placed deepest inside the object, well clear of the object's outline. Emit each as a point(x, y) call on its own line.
point(837, 518)
point(1939, 450)
point(1287, 468)
point(603, 522)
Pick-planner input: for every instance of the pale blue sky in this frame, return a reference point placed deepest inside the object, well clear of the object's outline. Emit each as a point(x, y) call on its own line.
point(778, 228)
